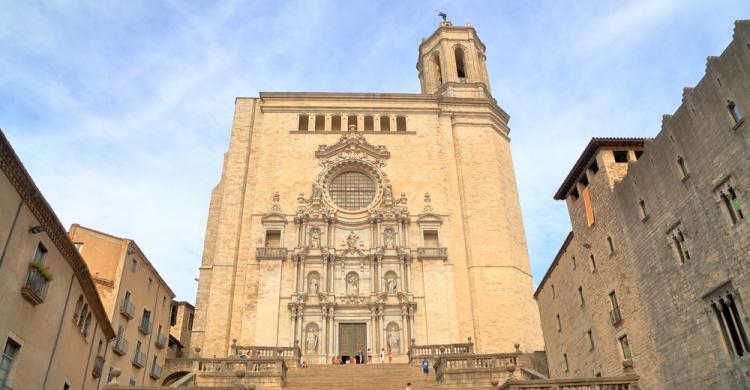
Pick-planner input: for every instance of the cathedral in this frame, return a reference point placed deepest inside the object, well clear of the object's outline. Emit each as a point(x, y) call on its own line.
point(354, 221)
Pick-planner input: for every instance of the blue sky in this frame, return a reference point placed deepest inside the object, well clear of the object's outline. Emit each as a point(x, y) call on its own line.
point(121, 111)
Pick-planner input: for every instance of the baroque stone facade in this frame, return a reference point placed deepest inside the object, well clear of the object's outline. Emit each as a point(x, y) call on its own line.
point(362, 220)
point(654, 277)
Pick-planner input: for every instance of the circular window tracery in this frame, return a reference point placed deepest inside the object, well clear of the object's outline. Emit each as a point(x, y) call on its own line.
point(352, 190)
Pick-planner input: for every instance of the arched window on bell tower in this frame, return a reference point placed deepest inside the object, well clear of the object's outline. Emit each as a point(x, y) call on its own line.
point(460, 63)
point(437, 69)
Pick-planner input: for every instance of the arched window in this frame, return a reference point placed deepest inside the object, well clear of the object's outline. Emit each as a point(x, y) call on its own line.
point(86, 324)
point(437, 71)
point(401, 123)
point(303, 122)
point(460, 64)
point(79, 306)
point(82, 318)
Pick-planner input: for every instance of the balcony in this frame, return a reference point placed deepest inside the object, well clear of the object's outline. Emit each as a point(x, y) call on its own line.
point(121, 346)
point(432, 253)
point(145, 326)
point(155, 371)
point(614, 316)
point(264, 253)
point(161, 341)
point(37, 281)
point(139, 359)
point(127, 309)
point(98, 367)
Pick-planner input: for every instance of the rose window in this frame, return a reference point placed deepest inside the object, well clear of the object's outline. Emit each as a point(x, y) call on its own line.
point(352, 190)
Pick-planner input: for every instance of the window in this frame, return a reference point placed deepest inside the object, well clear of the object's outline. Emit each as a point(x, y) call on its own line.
point(336, 123)
point(594, 167)
point(190, 321)
point(41, 251)
point(438, 72)
point(273, 238)
point(642, 208)
point(580, 295)
point(610, 244)
point(573, 260)
point(109, 375)
point(352, 121)
point(163, 301)
point(725, 306)
point(320, 122)
point(303, 123)
point(728, 195)
point(621, 156)
point(133, 265)
point(10, 353)
point(683, 168)
point(591, 340)
point(150, 282)
point(132, 382)
point(401, 123)
point(734, 111)
point(614, 312)
point(79, 306)
point(679, 243)
point(430, 238)
point(173, 314)
point(352, 190)
point(574, 193)
point(82, 318)
point(565, 362)
point(559, 324)
point(625, 347)
point(589, 207)
point(592, 263)
point(460, 66)
point(553, 291)
point(146, 319)
point(638, 154)
point(369, 123)
point(385, 123)
point(66, 386)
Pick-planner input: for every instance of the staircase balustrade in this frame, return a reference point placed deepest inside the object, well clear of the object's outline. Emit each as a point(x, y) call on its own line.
point(432, 351)
point(612, 383)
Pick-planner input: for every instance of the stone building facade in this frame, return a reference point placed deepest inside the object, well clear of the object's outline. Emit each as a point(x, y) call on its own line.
point(180, 329)
point(665, 220)
point(365, 220)
point(137, 301)
point(49, 308)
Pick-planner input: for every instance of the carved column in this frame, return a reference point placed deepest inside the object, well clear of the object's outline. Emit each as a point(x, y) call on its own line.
point(324, 332)
point(301, 325)
point(372, 328)
point(293, 327)
point(331, 331)
point(407, 275)
point(295, 258)
point(324, 283)
point(403, 330)
point(380, 274)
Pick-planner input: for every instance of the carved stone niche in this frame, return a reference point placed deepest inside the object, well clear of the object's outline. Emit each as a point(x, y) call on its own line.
point(271, 243)
point(431, 242)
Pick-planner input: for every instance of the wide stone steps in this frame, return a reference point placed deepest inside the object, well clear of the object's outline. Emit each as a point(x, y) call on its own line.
point(386, 376)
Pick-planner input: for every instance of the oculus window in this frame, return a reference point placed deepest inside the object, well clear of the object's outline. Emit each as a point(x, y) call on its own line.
point(352, 190)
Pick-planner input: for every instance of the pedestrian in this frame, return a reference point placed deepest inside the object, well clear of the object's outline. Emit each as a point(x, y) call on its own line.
point(408, 386)
point(390, 356)
point(369, 356)
point(426, 369)
point(381, 355)
point(360, 359)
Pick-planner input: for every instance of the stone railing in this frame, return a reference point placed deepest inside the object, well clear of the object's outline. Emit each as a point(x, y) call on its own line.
point(474, 369)
point(432, 253)
point(612, 383)
point(266, 372)
point(292, 355)
point(430, 352)
point(264, 253)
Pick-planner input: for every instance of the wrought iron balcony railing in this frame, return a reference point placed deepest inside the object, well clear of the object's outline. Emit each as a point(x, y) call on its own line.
point(35, 288)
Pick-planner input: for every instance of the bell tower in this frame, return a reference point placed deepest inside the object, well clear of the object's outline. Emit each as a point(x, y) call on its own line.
point(452, 62)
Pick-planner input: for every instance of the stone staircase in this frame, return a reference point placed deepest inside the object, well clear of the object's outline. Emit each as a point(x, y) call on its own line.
point(376, 376)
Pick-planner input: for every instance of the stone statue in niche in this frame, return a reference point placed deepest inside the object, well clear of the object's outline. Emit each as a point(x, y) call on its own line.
point(389, 238)
point(390, 282)
point(316, 191)
point(312, 339)
point(352, 284)
point(314, 238)
point(313, 283)
point(393, 339)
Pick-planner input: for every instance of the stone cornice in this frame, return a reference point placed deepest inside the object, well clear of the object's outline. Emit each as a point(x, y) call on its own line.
point(17, 175)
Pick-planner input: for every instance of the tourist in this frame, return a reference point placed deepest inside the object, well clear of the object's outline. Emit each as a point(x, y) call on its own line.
point(304, 364)
point(360, 357)
point(408, 386)
point(426, 369)
point(381, 355)
point(369, 356)
point(390, 356)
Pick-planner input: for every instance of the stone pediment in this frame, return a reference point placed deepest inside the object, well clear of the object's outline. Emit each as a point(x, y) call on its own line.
point(353, 144)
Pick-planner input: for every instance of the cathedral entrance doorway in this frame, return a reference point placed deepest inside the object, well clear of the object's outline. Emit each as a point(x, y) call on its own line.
point(352, 338)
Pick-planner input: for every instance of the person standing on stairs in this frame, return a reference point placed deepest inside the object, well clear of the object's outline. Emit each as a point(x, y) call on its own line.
point(369, 356)
point(381, 355)
point(390, 356)
point(408, 386)
point(426, 369)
